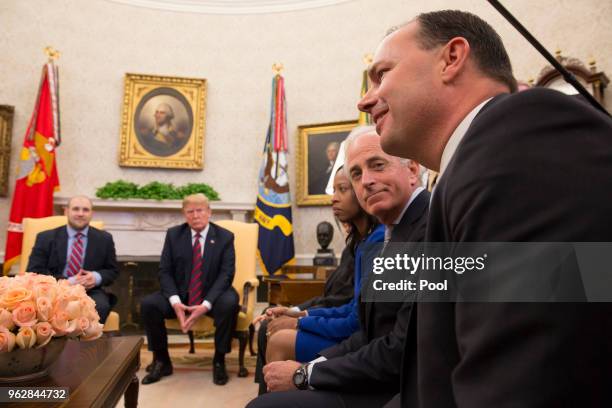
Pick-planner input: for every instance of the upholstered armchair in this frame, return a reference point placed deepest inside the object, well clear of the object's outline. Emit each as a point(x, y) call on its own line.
point(31, 228)
point(245, 282)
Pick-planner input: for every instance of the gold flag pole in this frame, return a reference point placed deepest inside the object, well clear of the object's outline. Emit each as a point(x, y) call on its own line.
point(367, 59)
point(52, 53)
point(277, 68)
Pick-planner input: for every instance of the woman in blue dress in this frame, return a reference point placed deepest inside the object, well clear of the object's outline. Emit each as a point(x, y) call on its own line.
point(319, 328)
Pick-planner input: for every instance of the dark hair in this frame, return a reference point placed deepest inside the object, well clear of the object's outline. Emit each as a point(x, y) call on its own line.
point(354, 236)
point(439, 27)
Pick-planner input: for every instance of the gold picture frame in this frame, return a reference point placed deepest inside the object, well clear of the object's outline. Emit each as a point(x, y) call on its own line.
point(163, 122)
point(6, 131)
point(315, 148)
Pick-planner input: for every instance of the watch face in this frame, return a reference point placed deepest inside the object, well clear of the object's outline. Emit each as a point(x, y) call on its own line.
point(299, 379)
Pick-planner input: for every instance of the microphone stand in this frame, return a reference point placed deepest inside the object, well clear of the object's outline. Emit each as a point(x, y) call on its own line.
point(568, 76)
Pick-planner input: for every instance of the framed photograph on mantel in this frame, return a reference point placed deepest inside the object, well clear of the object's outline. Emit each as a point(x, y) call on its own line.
point(318, 147)
point(163, 122)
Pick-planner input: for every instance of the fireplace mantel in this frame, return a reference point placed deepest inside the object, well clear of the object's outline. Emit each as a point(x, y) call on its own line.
point(139, 226)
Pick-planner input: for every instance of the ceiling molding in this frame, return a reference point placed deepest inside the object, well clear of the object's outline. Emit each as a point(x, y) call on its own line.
point(230, 6)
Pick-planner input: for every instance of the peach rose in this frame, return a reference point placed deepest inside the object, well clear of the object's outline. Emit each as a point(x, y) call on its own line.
point(64, 283)
point(14, 296)
point(85, 303)
point(88, 308)
point(62, 325)
point(44, 333)
point(26, 280)
point(5, 284)
point(93, 332)
point(26, 338)
point(92, 314)
point(83, 324)
point(77, 292)
point(73, 309)
point(45, 279)
point(6, 319)
point(61, 301)
point(44, 289)
point(24, 315)
point(7, 340)
point(44, 308)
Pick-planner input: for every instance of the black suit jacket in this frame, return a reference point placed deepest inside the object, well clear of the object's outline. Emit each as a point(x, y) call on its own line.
point(218, 264)
point(369, 360)
point(533, 166)
point(50, 250)
point(338, 286)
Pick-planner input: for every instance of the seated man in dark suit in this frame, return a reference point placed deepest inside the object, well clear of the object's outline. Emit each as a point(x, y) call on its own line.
point(513, 167)
point(363, 370)
point(196, 271)
point(80, 253)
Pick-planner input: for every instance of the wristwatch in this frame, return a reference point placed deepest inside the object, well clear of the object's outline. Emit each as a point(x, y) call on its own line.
point(300, 377)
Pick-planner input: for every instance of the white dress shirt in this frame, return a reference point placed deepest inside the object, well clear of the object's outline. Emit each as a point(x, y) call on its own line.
point(457, 137)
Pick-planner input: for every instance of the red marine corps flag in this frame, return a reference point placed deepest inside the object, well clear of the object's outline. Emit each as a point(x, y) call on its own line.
point(37, 171)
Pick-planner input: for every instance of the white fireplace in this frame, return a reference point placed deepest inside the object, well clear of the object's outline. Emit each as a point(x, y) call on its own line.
point(139, 226)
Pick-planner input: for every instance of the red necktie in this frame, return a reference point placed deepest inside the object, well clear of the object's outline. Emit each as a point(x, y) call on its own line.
point(76, 256)
point(195, 283)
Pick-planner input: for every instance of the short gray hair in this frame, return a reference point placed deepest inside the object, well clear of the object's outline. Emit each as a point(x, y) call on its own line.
point(355, 134)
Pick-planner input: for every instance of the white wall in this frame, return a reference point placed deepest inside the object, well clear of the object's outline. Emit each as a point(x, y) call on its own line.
point(321, 49)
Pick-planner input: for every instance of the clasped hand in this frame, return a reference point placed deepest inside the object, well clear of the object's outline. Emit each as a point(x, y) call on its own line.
point(85, 278)
point(277, 311)
point(279, 318)
point(188, 315)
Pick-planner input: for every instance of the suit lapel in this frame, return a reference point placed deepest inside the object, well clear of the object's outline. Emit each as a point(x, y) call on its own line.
point(186, 247)
point(209, 249)
point(403, 230)
point(402, 233)
point(62, 247)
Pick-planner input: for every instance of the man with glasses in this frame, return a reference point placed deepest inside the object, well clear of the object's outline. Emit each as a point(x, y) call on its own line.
point(196, 271)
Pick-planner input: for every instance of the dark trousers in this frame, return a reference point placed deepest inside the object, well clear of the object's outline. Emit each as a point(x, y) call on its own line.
point(154, 308)
point(103, 302)
point(327, 399)
point(262, 346)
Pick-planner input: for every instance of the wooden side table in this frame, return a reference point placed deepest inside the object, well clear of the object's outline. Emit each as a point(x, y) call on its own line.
point(297, 284)
point(97, 373)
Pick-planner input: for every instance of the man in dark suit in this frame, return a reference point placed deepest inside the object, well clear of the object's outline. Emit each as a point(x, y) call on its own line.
point(363, 370)
point(527, 167)
point(196, 272)
point(80, 253)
